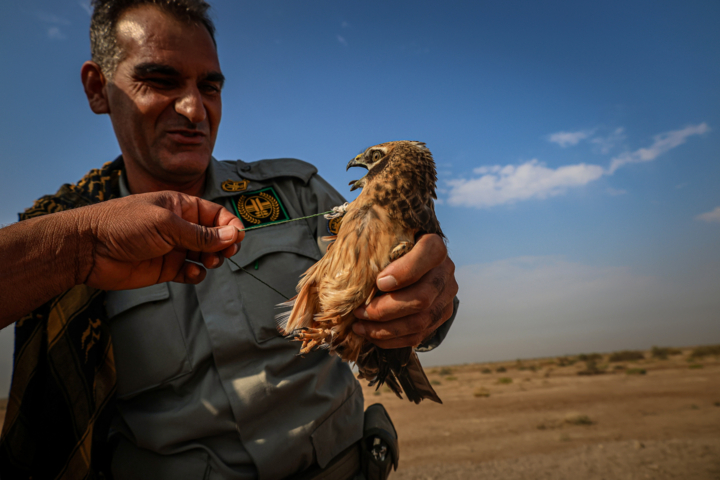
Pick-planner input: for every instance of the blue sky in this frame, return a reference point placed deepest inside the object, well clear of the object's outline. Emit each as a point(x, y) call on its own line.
point(577, 145)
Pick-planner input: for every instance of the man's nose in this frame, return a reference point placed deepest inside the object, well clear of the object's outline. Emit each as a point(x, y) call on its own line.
point(190, 105)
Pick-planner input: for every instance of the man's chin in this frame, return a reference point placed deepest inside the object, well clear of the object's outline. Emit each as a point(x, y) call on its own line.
point(184, 165)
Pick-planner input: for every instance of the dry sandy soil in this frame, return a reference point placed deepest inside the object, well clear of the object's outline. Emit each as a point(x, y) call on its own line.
point(551, 423)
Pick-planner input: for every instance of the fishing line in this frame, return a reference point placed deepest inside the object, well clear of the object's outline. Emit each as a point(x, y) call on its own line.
point(330, 214)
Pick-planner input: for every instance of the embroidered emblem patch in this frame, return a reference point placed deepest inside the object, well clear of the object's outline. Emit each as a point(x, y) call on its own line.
point(260, 207)
point(334, 225)
point(235, 185)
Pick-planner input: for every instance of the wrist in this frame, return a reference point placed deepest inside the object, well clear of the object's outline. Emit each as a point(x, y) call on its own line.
point(81, 241)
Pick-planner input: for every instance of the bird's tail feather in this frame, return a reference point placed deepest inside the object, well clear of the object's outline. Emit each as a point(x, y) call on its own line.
point(400, 370)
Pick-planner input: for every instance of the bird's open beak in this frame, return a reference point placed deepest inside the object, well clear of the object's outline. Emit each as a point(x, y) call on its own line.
point(356, 162)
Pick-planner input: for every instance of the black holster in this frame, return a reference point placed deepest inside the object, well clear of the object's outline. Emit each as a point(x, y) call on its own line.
point(379, 449)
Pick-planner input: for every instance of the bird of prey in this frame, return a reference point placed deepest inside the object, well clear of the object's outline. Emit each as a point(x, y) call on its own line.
point(381, 225)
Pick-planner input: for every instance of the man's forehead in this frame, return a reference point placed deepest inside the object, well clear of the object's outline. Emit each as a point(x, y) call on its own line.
point(148, 34)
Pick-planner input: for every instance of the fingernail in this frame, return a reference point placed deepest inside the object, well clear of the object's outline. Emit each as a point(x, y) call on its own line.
point(359, 329)
point(387, 283)
point(227, 232)
point(215, 262)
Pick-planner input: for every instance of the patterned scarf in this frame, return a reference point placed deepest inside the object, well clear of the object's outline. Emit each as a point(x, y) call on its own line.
point(63, 384)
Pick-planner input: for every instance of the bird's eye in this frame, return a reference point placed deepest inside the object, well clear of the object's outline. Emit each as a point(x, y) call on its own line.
point(377, 155)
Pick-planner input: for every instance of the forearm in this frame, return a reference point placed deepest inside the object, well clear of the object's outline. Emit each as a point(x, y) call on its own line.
point(40, 258)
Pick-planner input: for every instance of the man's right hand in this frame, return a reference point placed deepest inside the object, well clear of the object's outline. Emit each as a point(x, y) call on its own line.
point(125, 243)
point(145, 239)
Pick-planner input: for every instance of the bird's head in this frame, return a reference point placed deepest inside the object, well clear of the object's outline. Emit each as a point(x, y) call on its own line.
point(375, 158)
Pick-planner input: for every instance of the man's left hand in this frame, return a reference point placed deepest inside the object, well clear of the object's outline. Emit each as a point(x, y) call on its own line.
point(420, 289)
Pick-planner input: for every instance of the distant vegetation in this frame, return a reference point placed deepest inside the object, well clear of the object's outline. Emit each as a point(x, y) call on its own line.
point(664, 352)
point(635, 371)
point(481, 392)
point(446, 371)
point(579, 420)
point(485, 370)
point(626, 356)
point(504, 380)
point(565, 361)
point(584, 357)
point(705, 351)
point(501, 369)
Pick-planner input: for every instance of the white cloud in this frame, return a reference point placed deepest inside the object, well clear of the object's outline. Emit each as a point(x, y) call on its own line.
point(565, 139)
point(605, 144)
point(51, 18)
point(713, 216)
point(342, 40)
point(615, 192)
point(85, 5)
point(500, 185)
point(54, 33)
point(662, 143)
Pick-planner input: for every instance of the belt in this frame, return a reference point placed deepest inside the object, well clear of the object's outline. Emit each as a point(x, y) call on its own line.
point(345, 466)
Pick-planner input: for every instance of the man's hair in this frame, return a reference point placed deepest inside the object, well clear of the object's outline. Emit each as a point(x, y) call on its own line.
point(106, 13)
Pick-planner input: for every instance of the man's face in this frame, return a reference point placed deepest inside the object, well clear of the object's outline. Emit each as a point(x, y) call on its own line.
point(164, 99)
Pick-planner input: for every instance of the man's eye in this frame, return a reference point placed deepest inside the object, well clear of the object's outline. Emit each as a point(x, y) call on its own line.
point(162, 82)
point(209, 88)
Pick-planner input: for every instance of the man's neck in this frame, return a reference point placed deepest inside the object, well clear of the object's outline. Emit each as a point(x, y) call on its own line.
point(141, 182)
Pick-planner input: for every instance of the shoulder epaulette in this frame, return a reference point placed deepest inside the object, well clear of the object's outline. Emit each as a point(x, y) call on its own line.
point(274, 168)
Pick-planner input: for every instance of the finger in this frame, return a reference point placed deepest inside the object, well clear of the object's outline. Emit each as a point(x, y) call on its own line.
point(211, 214)
point(200, 238)
point(424, 323)
point(415, 298)
point(211, 260)
point(191, 273)
point(428, 252)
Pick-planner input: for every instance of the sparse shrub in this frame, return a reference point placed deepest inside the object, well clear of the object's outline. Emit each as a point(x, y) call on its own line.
point(376, 392)
point(635, 371)
point(501, 369)
point(564, 437)
point(626, 356)
point(584, 357)
point(522, 368)
point(717, 404)
point(694, 407)
point(435, 382)
point(446, 371)
point(451, 378)
point(619, 367)
point(579, 420)
point(695, 366)
point(565, 361)
point(591, 368)
point(704, 351)
point(664, 352)
point(485, 370)
point(481, 392)
point(504, 380)
point(386, 389)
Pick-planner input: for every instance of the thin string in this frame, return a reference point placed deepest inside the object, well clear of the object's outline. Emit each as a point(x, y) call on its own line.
point(270, 225)
point(258, 279)
point(284, 221)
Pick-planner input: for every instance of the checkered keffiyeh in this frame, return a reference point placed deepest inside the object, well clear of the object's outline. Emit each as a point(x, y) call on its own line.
point(63, 383)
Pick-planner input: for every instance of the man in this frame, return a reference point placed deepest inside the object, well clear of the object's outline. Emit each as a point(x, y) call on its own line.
point(206, 388)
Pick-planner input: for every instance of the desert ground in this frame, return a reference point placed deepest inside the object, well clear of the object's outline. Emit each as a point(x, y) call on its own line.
point(540, 419)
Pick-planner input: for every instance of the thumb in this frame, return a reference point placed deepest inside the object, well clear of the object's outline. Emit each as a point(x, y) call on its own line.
point(199, 238)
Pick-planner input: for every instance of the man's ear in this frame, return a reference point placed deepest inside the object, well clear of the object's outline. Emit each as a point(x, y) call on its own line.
point(95, 83)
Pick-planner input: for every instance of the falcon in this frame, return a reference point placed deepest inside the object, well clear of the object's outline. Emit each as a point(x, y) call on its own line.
point(381, 225)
